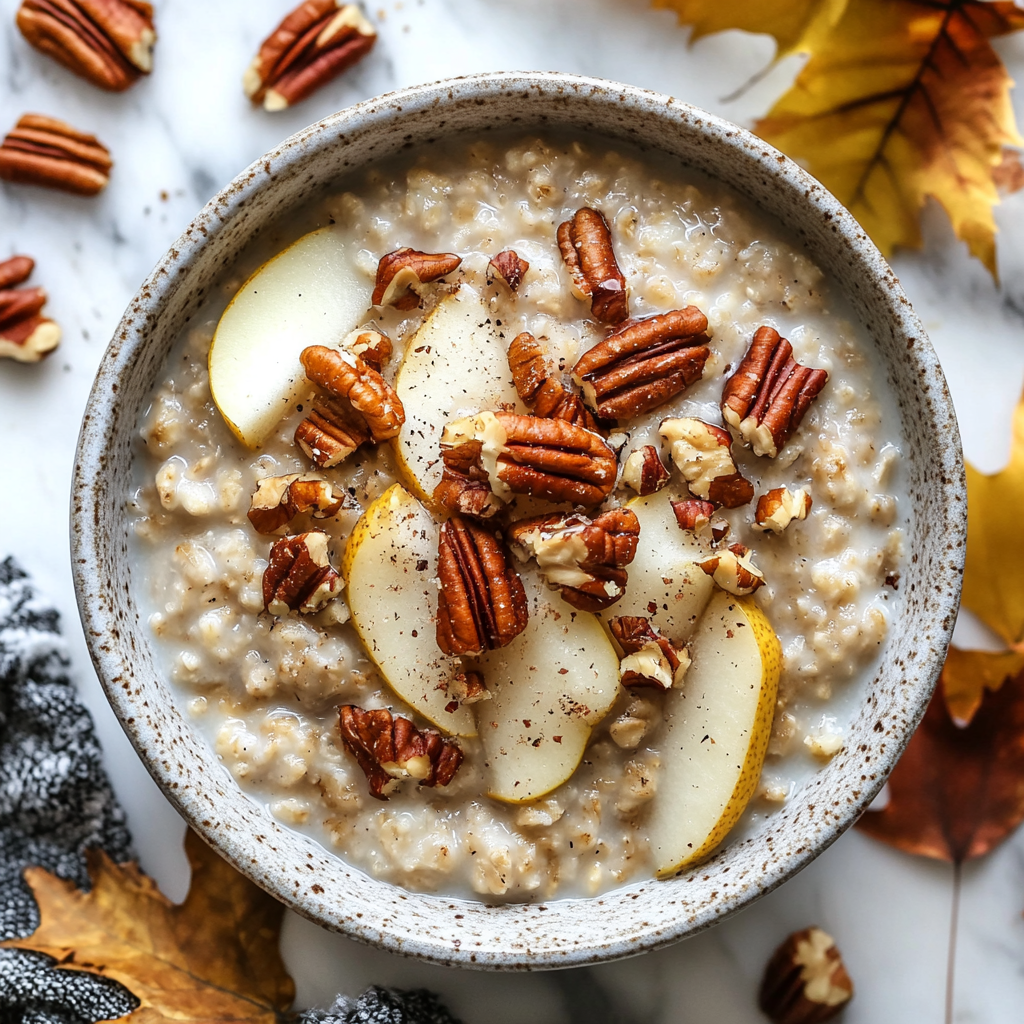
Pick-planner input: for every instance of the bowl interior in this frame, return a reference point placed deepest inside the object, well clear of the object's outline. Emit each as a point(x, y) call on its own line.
point(643, 915)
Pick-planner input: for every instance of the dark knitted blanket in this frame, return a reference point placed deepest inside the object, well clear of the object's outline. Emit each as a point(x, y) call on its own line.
point(55, 802)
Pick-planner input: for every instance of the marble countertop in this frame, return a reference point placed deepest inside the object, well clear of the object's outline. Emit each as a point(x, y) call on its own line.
point(183, 133)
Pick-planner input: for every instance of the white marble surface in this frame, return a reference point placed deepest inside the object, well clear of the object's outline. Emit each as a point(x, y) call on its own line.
point(182, 134)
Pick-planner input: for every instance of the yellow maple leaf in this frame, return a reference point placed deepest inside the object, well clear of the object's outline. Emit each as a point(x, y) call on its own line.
point(795, 24)
point(968, 674)
point(994, 573)
point(213, 958)
point(902, 101)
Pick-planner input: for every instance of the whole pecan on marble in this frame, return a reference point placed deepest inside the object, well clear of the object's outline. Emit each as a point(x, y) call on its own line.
point(348, 376)
point(644, 471)
point(540, 389)
point(805, 981)
point(277, 500)
point(482, 603)
point(702, 453)
point(765, 400)
point(314, 44)
point(25, 335)
point(107, 42)
point(644, 363)
point(585, 242)
point(583, 558)
point(399, 271)
point(299, 576)
point(390, 748)
point(41, 150)
point(510, 267)
point(649, 659)
point(493, 455)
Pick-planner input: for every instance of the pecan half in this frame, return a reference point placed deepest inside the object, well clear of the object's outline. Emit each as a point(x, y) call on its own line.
point(331, 432)
point(277, 500)
point(510, 267)
point(703, 455)
point(25, 335)
point(351, 377)
point(693, 514)
point(644, 363)
point(482, 603)
point(650, 660)
point(107, 42)
point(314, 44)
point(299, 576)
point(585, 243)
point(779, 507)
point(390, 748)
point(44, 151)
point(768, 395)
point(399, 272)
point(644, 471)
point(805, 981)
point(733, 571)
point(583, 558)
point(550, 459)
point(538, 388)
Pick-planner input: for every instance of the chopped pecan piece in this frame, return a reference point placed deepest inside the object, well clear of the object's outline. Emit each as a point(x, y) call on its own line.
point(44, 151)
point(779, 507)
point(299, 576)
point(510, 267)
point(693, 514)
point(644, 363)
point(585, 243)
point(399, 271)
point(107, 42)
point(390, 748)
point(582, 558)
point(806, 981)
point(768, 395)
point(467, 687)
point(644, 471)
point(482, 603)
point(277, 500)
point(703, 455)
point(374, 348)
point(315, 43)
point(733, 571)
point(350, 376)
point(538, 388)
point(650, 659)
point(550, 459)
point(331, 432)
point(529, 367)
point(25, 335)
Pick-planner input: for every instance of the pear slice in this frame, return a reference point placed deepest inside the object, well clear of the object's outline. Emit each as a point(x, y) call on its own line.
point(389, 568)
point(455, 364)
point(550, 687)
point(716, 733)
point(311, 293)
point(665, 583)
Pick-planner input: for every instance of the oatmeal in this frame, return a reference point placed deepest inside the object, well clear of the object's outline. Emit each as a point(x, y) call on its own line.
point(601, 428)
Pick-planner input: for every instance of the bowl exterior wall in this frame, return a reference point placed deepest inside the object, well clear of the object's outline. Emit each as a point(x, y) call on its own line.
point(646, 914)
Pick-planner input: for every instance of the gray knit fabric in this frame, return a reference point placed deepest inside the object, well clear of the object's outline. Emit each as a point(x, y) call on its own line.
point(56, 802)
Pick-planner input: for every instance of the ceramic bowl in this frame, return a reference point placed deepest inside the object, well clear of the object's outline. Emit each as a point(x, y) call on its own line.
point(646, 914)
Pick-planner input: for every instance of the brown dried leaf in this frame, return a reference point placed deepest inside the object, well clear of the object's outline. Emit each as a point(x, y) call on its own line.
point(957, 792)
point(212, 958)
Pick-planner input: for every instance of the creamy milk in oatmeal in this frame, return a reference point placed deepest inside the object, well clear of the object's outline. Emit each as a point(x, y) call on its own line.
point(265, 683)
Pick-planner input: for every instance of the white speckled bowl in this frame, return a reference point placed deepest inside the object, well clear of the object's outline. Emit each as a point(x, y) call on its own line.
point(646, 914)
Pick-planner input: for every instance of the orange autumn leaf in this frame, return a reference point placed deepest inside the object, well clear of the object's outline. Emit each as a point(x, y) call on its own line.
point(968, 674)
point(957, 792)
point(900, 101)
point(212, 958)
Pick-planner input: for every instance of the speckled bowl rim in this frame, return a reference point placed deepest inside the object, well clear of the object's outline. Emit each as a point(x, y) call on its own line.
point(646, 914)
